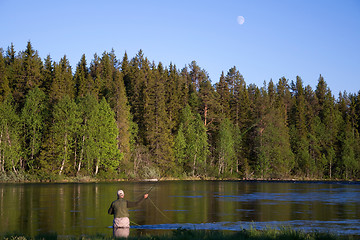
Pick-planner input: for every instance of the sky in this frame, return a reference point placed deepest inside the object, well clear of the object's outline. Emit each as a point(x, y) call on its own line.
point(264, 39)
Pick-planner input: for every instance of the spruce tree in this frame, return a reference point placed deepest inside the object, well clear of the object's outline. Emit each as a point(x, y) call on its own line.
point(299, 131)
point(4, 82)
point(32, 66)
point(97, 82)
point(119, 103)
point(137, 76)
point(63, 83)
point(328, 128)
point(47, 75)
point(222, 88)
point(11, 62)
point(175, 95)
point(239, 99)
point(27, 73)
point(82, 78)
point(156, 121)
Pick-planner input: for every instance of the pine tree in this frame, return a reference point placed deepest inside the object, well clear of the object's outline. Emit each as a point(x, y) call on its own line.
point(197, 75)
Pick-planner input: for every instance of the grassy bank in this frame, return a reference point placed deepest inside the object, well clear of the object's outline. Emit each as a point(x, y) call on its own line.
point(182, 234)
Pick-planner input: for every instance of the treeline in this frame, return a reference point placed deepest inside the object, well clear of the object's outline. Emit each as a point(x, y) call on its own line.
point(134, 118)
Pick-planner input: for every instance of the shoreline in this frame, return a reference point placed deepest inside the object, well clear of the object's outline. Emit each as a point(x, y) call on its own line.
point(88, 179)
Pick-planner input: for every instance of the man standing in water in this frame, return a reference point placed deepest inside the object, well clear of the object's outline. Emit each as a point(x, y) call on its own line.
point(119, 208)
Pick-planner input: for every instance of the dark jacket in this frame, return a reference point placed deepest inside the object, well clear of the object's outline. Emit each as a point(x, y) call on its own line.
point(120, 207)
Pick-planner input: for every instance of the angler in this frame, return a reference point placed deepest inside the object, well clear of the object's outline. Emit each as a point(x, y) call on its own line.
point(119, 208)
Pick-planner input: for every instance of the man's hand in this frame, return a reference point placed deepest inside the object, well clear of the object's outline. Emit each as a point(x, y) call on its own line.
point(146, 196)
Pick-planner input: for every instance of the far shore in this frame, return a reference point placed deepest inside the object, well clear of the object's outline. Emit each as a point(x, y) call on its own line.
point(88, 179)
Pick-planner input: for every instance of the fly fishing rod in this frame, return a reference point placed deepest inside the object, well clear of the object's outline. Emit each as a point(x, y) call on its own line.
point(158, 180)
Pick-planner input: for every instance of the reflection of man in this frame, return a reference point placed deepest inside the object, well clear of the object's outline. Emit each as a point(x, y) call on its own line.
point(119, 208)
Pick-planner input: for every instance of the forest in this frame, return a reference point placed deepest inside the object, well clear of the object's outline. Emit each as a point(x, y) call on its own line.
point(132, 118)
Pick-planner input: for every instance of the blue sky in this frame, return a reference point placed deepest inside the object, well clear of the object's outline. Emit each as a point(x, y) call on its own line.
point(279, 38)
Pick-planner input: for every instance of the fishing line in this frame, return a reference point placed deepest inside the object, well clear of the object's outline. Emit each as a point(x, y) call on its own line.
point(159, 209)
point(134, 223)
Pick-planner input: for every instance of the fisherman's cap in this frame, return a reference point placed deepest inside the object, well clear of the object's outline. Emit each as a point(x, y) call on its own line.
point(120, 193)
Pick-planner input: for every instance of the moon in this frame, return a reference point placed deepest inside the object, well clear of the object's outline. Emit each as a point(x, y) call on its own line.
point(240, 20)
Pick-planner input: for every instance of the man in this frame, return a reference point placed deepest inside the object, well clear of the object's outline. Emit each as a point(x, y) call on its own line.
point(119, 208)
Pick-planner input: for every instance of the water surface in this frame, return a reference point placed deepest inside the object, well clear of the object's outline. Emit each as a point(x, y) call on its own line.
point(75, 209)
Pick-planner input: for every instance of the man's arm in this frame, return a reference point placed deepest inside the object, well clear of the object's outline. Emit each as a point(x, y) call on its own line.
point(135, 204)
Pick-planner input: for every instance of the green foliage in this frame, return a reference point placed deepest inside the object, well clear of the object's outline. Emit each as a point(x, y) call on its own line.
point(226, 148)
point(135, 118)
point(156, 122)
point(191, 142)
point(66, 122)
point(62, 84)
point(4, 82)
point(102, 137)
point(83, 81)
point(276, 158)
point(33, 124)
point(10, 148)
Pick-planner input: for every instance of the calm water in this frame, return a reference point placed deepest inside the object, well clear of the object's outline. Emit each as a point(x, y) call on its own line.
point(76, 209)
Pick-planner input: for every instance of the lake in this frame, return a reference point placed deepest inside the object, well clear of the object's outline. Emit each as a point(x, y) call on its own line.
point(75, 209)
